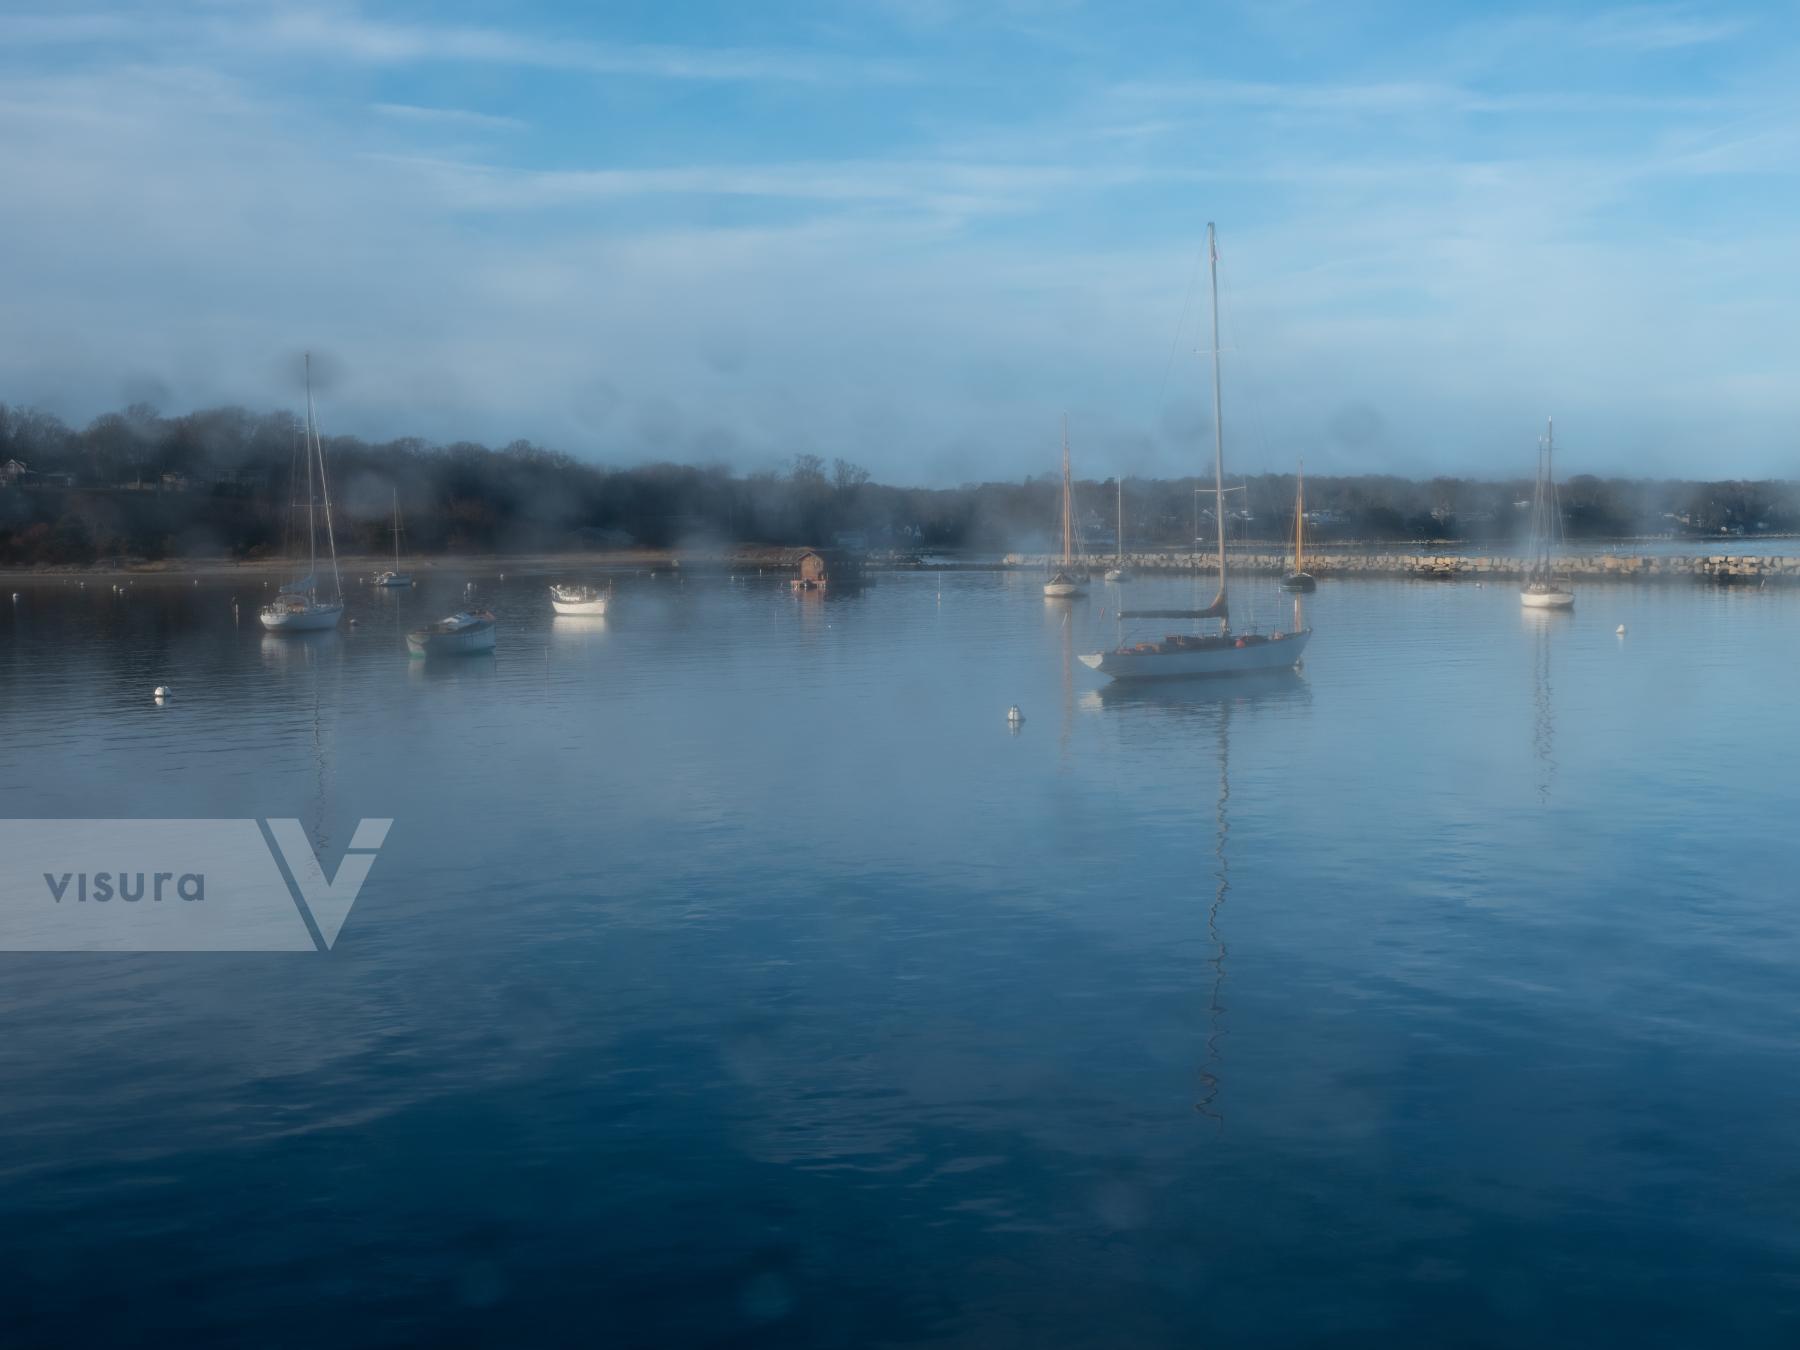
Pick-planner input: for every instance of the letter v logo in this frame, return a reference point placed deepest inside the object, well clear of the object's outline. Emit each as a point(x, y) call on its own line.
point(328, 901)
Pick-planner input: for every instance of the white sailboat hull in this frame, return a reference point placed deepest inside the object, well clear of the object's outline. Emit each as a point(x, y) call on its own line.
point(595, 608)
point(301, 618)
point(1276, 654)
point(1547, 599)
point(1064, 590)
point(394, 579)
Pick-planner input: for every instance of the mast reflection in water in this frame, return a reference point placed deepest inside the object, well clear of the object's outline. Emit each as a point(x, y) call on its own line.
point(1216, 701)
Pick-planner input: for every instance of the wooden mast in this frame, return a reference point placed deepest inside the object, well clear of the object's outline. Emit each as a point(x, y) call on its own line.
point(1300, 519)
point(1120, 545)
point(1068, 515)
point(1212, 251)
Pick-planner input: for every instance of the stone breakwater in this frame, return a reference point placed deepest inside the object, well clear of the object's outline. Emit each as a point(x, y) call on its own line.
point(1609, 566)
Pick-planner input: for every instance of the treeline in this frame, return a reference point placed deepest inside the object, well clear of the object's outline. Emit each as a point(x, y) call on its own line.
point(222, 481)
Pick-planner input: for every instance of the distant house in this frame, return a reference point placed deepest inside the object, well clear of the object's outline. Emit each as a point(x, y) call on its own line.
point(16, 473)
point(821, 568)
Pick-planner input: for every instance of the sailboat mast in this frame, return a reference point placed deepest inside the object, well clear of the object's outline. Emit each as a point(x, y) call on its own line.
point(337, 581)
point(1120, 484)
point(1068, 515)
point(1541, 524)
point(1212, 251)
point(396, 529)
point(312, 534)
point(1300, 519)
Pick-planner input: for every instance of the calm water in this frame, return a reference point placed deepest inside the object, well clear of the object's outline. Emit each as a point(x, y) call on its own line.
point(732, 975)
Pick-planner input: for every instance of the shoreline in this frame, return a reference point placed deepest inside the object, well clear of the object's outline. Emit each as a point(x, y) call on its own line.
point(1728, 567)
point(749, 556)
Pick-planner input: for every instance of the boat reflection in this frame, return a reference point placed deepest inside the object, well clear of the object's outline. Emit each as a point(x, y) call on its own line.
point(466, 668)
point(1207, 1105)
point(1200, 697)
point(1543, 717)
point(577, 627)
point(298, 650)
point(1215, 702)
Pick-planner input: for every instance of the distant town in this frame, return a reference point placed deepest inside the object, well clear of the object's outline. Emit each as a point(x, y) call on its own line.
point(220, 483)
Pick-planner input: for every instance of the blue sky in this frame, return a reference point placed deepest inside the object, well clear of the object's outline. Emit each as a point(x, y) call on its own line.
point(916, 232)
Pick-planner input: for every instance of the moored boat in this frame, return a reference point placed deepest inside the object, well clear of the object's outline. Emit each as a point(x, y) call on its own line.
point(1064, 583)
point(1545, 586)
point(395, 577)
point(1299, 579)
point(1118, 571)
point(300, 611)
point(1221, 653)
point(462, 633)
point(299, 606)
point(1181, 655)
point(588, 600)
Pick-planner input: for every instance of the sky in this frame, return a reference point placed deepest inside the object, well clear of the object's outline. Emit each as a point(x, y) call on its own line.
point(917, 233)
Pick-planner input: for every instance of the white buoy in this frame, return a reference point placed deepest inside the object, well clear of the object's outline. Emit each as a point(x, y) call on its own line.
point(1620, 630)
point(1014, 716)
point(162, 692)
point(15, 597)
point(353, 623)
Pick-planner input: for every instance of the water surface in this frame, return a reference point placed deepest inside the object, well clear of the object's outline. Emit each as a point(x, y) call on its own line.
point(732, 974)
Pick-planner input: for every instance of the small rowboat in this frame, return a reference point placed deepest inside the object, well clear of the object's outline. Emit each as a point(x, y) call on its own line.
point(462, 633)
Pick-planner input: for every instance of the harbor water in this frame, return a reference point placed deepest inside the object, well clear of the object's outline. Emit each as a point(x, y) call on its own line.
point(734, 973)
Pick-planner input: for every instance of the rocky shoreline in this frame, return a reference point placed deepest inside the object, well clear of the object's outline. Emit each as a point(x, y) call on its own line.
point(1603, 566)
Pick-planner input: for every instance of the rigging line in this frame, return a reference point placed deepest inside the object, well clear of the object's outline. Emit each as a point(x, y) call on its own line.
point(1187, 304)
point(1249, 380)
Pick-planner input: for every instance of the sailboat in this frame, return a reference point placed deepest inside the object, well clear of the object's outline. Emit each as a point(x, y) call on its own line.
point(1118, 571)
point(1064, 584)
point(1545, 587)
point(1299, 579)
point(298, 607)
point(395, 577)
point(1223, 652)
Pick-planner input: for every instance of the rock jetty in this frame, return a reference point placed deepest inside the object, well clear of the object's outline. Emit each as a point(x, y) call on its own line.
point(1452, 566)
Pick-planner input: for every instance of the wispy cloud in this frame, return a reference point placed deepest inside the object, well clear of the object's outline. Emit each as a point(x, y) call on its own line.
point(1391, 98)
point(1657, 28)
point(456, 117)
point(347, 35)
point(48, 30)
point(945, 188)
